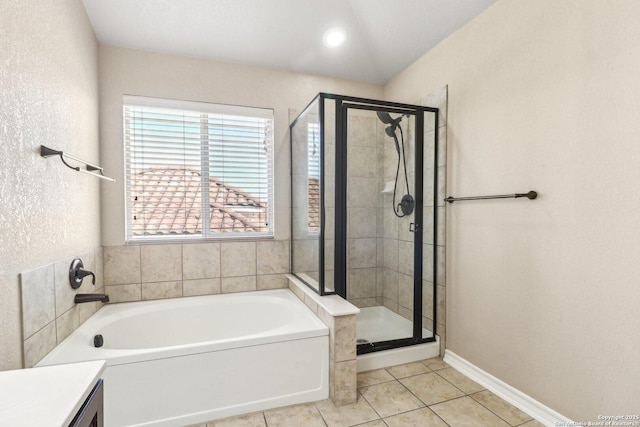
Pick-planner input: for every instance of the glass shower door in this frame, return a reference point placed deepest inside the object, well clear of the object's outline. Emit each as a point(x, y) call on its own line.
point(381, 207)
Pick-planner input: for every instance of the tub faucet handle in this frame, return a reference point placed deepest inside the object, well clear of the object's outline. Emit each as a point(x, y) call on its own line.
point(82, 273)
point(77, 272)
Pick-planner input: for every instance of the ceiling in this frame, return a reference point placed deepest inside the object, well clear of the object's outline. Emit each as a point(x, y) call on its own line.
point(383, 36)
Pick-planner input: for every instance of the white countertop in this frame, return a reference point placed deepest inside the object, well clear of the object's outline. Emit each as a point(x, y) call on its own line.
point(47, 396)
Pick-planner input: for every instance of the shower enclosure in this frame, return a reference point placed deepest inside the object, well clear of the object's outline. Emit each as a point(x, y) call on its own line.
point(363, 183)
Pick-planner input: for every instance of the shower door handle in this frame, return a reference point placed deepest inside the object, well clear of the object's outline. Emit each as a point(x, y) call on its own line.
point(414, 227)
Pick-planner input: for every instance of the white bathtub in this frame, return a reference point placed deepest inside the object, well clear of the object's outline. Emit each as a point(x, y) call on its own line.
point(188, 360)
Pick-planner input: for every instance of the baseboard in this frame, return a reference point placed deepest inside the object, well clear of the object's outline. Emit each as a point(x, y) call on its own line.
point(525, 403)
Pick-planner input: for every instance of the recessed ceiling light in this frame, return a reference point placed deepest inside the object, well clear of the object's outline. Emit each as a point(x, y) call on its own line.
point(334, 37)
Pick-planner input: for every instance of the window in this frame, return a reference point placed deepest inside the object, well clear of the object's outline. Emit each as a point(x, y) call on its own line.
point(313, 149)
point(196, 170)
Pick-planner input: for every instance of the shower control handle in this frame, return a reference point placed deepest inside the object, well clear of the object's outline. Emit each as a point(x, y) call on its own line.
point(414, 227)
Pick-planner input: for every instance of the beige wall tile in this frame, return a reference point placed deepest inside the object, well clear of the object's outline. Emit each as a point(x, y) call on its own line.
point(296, 291)
point(160, 290)
point(200, 260)
point(427, 262)
point(238, 284)
point(391, 305)
point(405, 257)
point(88, 309)
point(441, 270)
point(63, 290)
point(361, 253)
point(238, 259)
point(38, 299)
point(390, 289)
point(67, 323)
point(345, 338)
point(364, 302)
point(121, 265)
point(98, 255)
point(362, 162)
point(405, 312)
point(405, 290)
point(390, 254)
point(362, 283)
point(273, 257)
point(160, 263)
point(362, 131)
point(362, 193)
point(345, 383)
point(200, 287)
point(310, 302)
point(124, 293)
point(271, 281)
point(332, 380)
point(325, 317)
point(39, 344)
point(390, 220)
point(11, 340)
point(362, 223)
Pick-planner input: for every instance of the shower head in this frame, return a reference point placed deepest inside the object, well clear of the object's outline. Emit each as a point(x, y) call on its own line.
point(384, 117)
point(393, 124)
point(390, 130)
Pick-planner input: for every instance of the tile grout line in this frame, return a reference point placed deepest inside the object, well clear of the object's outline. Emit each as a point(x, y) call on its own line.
point(421, 401)
point(490, 410)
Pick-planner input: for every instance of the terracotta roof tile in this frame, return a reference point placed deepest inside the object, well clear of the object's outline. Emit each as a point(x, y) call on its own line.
point(169, 201)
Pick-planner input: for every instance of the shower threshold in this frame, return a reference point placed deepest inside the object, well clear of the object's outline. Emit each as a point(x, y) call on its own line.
point(374, 324)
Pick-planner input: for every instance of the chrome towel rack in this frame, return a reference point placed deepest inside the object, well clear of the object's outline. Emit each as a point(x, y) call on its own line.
point(89, 168)
point(530, 195)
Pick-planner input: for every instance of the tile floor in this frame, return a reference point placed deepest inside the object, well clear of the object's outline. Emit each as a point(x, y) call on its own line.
point(418, 394)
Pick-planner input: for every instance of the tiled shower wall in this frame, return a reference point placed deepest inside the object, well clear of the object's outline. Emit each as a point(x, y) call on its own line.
point(364, 167)
point(49, 314)
point(146, 272)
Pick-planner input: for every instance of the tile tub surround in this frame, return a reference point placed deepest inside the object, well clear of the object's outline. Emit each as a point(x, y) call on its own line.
point(173, 270)
point(340, 316)
point(49, 314)
point(398, 397)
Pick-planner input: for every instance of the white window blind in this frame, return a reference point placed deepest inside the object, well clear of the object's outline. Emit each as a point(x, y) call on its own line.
point(313, 162)
point(197, 170)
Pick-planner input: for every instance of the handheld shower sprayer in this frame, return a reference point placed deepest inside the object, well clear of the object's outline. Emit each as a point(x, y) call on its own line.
point(407, 203)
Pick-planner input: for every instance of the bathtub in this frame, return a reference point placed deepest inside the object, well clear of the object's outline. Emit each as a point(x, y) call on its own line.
point(188, 360)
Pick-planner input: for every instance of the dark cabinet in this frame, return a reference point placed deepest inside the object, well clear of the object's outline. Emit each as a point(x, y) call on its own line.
point(91, 414)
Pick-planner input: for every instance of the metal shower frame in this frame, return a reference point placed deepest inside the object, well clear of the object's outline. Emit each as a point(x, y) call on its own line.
point(342, 104)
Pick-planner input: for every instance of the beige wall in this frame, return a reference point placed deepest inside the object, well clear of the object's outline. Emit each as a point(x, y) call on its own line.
point(48, 95)
point(544, 95)
point(134, 72)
